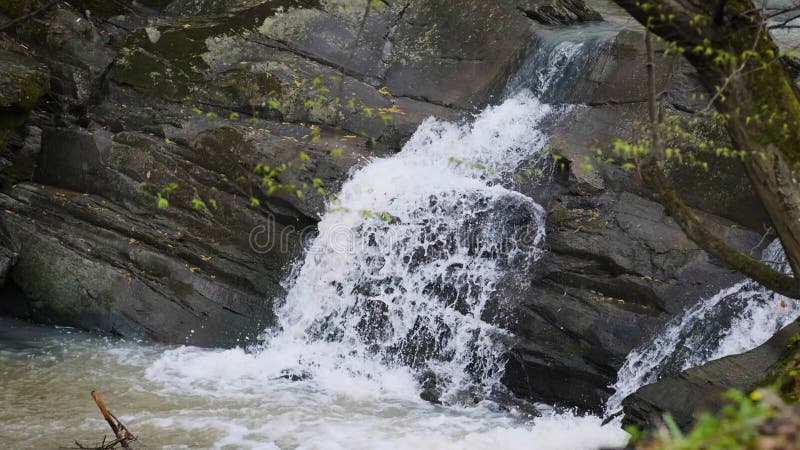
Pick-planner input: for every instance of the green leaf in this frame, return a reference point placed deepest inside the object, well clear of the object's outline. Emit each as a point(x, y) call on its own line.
point(161, 202)
point(198, 204)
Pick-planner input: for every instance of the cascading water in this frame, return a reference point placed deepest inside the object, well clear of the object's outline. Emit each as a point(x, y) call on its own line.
point(391, 296)
point(405, 262)
point(733, 321)
point(396, 284)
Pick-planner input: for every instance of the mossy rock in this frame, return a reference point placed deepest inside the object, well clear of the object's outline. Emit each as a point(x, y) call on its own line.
point(23, 82)
point(167, 61)
point(16, 8)
point(785, 374)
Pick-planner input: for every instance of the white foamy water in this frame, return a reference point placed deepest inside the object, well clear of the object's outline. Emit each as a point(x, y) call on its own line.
point(405, 263)
point(218, 400)
point(735, 320)
point(390, 301)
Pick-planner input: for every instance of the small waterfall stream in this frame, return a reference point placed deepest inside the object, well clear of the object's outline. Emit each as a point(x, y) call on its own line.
point(405, 261)
point(735, 320)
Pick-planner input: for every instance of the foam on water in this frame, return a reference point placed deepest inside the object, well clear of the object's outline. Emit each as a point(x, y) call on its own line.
point(204, 405)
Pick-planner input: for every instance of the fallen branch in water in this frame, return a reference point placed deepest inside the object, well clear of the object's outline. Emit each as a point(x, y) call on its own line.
point(124, 438)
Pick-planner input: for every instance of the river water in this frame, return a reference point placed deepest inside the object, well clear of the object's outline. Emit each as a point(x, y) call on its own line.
point(194, 398)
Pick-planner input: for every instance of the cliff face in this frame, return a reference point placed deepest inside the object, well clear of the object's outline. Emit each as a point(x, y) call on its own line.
point(123, 100)
point(145, 96)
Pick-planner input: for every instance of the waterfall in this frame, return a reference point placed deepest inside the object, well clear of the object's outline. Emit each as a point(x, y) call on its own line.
point(394, 293)
point(558, 61)
point(408, 256)
point(733, 321)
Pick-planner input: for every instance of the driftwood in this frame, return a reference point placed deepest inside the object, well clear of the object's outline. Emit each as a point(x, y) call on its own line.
point(124, 438)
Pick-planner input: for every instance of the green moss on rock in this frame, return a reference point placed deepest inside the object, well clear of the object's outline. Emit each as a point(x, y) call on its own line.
point(785, 374)
point(16, 8)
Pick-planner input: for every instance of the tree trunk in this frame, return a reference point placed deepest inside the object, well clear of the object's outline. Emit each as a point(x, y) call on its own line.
point(757, 96)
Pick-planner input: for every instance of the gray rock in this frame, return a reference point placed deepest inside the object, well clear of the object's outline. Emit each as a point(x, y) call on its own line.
point(701, 388)
point(617, 269)
point(563, 12)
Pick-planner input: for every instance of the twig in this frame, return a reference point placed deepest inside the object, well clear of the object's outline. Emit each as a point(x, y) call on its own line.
point(120, 431)
point(767, 233)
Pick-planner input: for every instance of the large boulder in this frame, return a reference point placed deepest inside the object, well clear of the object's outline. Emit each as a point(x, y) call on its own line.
point(617, 269)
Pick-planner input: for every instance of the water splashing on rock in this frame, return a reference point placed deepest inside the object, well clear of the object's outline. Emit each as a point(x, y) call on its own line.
point(733, 321)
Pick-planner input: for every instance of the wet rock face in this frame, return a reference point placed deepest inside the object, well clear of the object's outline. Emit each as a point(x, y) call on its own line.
point(563, 12)
point(23, 81)
point(129, 99)
point(617, 267)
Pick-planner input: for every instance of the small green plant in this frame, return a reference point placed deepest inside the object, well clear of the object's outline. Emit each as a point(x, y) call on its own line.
point(162, 197)
point(735, 427)
point(198, 204)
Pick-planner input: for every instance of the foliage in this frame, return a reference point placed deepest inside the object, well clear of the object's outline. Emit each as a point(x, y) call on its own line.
point(162, 197)
point(735, 427)
point(784, 376)
point(752, 93)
